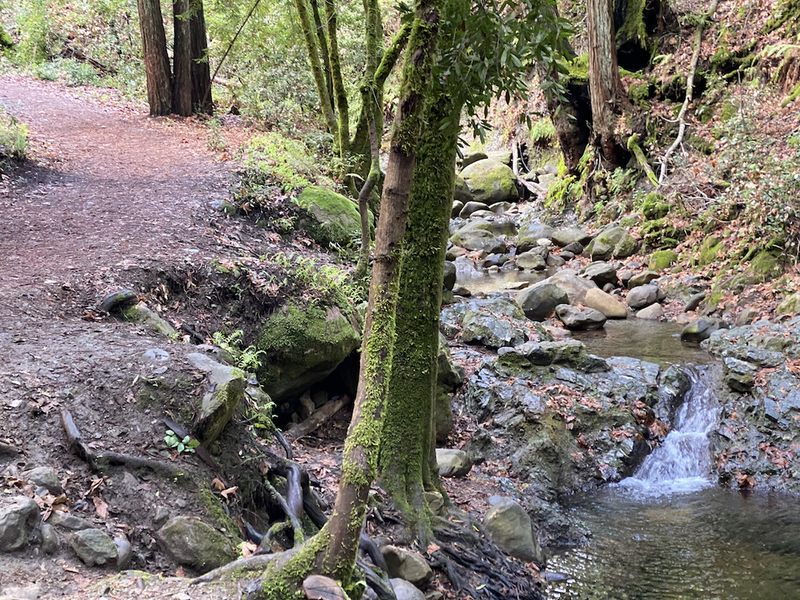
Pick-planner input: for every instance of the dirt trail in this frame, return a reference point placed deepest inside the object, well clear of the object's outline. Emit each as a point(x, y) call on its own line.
point(111, 187)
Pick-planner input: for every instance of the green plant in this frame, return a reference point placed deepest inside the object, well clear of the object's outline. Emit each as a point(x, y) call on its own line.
point(247, 358)
point(13, 137)
point(185, 445)
point(543, 132)
point(216, 142)
point(275, 159)
point(46, 71)
point(79, 73)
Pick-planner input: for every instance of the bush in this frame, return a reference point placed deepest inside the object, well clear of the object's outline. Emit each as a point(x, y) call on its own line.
point(272, 159)
point(13, 138)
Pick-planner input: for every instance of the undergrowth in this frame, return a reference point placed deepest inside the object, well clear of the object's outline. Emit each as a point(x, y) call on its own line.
point(13, 138)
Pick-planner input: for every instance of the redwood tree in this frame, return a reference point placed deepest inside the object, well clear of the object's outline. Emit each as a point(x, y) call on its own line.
point(156, 61)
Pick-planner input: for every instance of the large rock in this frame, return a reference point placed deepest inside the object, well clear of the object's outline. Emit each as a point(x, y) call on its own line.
point(192, 543)
point(790, 305)
point(471, 208)
point(481, 240)
point(494, 225)
point(334, 218)
point(565, 237)
point(510, 528)
point(302, 346)
point(642, 278)
point(530, 235)
point(479, 327)
point(614, 242)
point(452, 463)
point(405, 590)
point(461, 192)
point(226, 389)
point(701, 329)
point(19, 515)
point(539, 301)
point(576, 287)
point(472, 157)
point(652, 313)
point(575, 319)
point(449, 280)
point(490, 181)
point(601, 273)
point(605, 303)
point(407, 565)
point(93, 547)
point(739, 375)
point(45, 477)
point(531, 261)
point(642, 296)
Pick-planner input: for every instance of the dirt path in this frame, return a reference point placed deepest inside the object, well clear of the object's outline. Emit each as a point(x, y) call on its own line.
point(112, 187)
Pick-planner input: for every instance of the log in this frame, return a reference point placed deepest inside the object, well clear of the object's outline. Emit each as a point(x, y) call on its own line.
point(313, 422)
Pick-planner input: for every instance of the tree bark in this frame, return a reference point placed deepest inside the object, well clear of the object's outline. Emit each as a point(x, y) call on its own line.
point(202, 101)
point(182, 59)
point(156, 61)
point(604, 83)
point(338, 84)
point(322, 39)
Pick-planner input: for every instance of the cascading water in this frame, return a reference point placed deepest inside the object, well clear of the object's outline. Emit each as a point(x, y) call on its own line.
point(683, 462)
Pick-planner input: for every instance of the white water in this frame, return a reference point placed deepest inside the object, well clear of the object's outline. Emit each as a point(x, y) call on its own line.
point(683, 462)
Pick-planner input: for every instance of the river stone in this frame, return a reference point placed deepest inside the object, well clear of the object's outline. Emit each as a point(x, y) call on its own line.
point(119, 300)
point(554, 261)
point(614, 242)
point(142, 314)
point(495, 260)
point(225, 390)
point(694, 301)
point(531, 234)
point(490, 181)
point(538, 302)
point(452, 463)
point(575, 247)
point(565, 237)
point(500, 208)
point(606, 304)
point(701, 329)
point(19, 515)
point(319, 587)
point(471, 208)
point(790, 305)
point(93, 547)
point(461, 191)
point(404, 590)
point(407, 565)
point(641, 279)
point(192, 543)
point(575, 286)
point(480, 240)
point(489, 222)
point(738, 374)
point(747, 316)
point(302, 346)
point(601, 273)
point(510, 528)
point(449, 275)
point(68, 521)
point(472, 157)
point(50, 541)
point(456, 209)
point(45, 477)
point(566, 255)
point(573, 318)
point(479, 327)
point(531, 261)
point(642, 296)
point(334, 218)
point(652, 313)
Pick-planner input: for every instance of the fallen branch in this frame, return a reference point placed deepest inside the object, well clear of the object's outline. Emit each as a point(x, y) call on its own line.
point(698, 38)
point(79, 55)
point(313, 422)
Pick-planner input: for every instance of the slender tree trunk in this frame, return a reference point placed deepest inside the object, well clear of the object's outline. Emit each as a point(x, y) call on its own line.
point(182, 59)
point(604, 81)
point(156, 61)
point(338, 84)
point(407, 447)
point(202, 100)
point(322, 40)
point(360, 459)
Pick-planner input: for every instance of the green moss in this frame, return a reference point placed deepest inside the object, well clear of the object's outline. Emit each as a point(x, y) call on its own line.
point(5, 40)
point(629, 222)
point(283, 579)
point(578, 71)
point(765, 265)
point(335, 218)
point(725, 60)
point(708, 251)
point(701, 145)
point(639, 94)
point(655, 206)
point(633, 28)
point(213, 504)
point(662, 260)
point(728, 112)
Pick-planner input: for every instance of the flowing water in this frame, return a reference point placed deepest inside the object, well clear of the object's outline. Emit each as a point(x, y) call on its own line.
point(669, 534)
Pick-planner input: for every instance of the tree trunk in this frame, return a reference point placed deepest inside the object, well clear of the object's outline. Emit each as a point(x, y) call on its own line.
point(407, 448)
point(202, 100)
point(156, 61)
point(338, 84)
point(604, 83)
point(182, 59)
point(322, 40)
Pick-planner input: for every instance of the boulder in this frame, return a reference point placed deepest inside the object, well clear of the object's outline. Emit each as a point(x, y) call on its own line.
point(19, 516)
point(652, 313)
point(489, 222)
point(452, 463)
point(642, 296)
point(531, 261)
point(740, 376)
point(554, 261)
point(470, 208)
point(605, 303)
point(565, 237)
point(461, 192)
point(790, 305)
point(614, 242)
point(334, 218)
point(192, 543)
point(449, 374)
point(93, 547)
point(575, 247)
point(641, 279)
point(499, 208)
point(501, 156)
point(225, 390)
point(449, 280)
point(479, 327)
point(45, 477)
point(662, 259)
point(302, 346)
point(142, 314)
point(319, 587)
point(119, 300)
point(694, 301)
point(529, 236)
point(701, 329)
point(490, 181)
point(481, 240)
point(575, 319)
point(566, 255)
point(456, 209)
point(407, 565)
point(510, 528)
point(601, 273)
point(575, 286)
point(472, 157)
point(538, 302)
point(404, 590)
point(747, 316)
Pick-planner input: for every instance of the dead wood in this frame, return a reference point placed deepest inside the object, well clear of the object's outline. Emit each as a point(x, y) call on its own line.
point(313, 422)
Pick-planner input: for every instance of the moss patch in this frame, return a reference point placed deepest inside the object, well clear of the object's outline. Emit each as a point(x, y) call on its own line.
point(708, 251)
point(212, 503)
point(335, 219)
point(662, 259)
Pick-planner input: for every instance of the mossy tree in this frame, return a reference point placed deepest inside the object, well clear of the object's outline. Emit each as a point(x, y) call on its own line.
point(464, 80)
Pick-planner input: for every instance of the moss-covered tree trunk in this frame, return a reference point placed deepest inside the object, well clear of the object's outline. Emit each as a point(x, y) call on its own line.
point(202, 100)
point(322, 40)
point(407, 448)
point(182, 59)
point(338, 83)
point(156, 61)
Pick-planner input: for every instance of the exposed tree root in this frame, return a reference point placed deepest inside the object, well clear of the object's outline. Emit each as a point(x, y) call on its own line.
point(251, 563)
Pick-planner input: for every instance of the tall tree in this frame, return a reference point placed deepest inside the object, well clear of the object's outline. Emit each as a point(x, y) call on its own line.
point(182, 59)
point(156, 61)
point(202, 100)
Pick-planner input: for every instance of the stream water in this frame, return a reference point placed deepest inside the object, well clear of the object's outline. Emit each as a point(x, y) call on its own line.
point(668, 533)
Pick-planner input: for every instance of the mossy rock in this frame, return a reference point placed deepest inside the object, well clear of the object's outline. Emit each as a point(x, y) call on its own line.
point(334, 218)
point(461, 192)
point(655, 207)
point(659, 233)
point(662, 259)
point(640, 93)
point(490, 181)
point(790, 305)
point(614, 242)
point(302, 346)
point(192, 543)
point(728, 112)
point(765, 266)
point(708, 251)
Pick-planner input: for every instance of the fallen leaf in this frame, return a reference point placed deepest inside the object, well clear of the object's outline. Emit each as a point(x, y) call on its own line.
point(229, 492)
point(248, 549)
point(179, 572)
point(100, 506)
point(218, 485)
point(432, 548)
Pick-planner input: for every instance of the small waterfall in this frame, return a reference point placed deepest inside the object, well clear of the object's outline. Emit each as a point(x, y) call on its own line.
point(683, 462)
